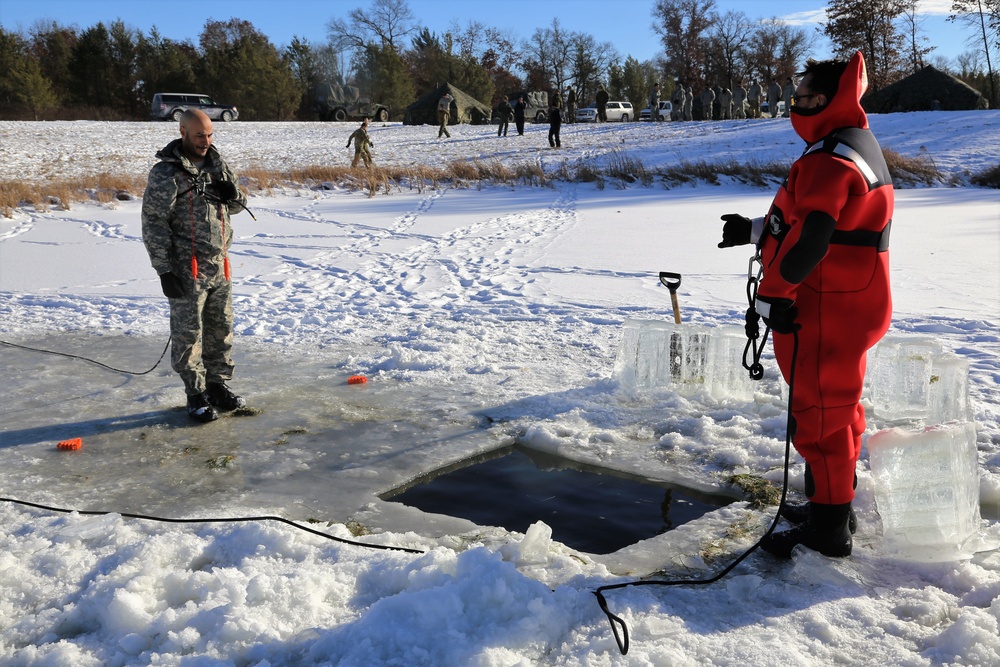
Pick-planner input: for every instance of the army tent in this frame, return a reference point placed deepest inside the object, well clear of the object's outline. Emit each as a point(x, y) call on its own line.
point(464, 108)
point(927, 90)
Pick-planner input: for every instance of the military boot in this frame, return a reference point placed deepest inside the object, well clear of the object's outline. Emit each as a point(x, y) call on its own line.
point(826, 531)
point(799, 513)
point(223, 398)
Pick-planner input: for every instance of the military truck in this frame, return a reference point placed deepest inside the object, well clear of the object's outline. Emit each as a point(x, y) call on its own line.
point(340, 103)
point(536, 105)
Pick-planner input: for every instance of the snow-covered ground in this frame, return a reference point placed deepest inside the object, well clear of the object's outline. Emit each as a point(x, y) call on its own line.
point(481, 316)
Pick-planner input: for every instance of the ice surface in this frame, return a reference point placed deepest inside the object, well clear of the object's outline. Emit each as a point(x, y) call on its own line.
point(686, 358)
point(915, 379)
point(927, 490)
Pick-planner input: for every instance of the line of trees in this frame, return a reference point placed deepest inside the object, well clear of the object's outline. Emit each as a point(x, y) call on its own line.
point(111, 71)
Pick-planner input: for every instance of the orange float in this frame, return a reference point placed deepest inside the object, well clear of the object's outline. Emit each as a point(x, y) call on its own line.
point(357, 379)
point(71, 444)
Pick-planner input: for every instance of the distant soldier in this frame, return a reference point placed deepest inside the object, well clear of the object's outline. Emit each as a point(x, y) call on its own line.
point(688, 103)
point(787, 93)
point(602, 104)
point(753, 96)
point(773, 95)
point(707, 98)
point(504, 112)
point(570, 105)
point(519, 108)
point(740, 101)
point(717, 104)
point(555, 123)
point(361, 143)
point(444, 112)
point(726, 104)
point(677, 102)
point(654, 103)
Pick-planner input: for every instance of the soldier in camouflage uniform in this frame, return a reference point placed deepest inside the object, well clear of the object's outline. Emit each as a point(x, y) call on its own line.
point(361, 144)
point(190, 195)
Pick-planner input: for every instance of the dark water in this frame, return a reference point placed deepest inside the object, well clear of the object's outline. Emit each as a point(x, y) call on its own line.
point(588, 509)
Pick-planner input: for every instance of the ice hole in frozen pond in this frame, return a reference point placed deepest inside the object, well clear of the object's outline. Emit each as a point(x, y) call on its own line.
point(589, 509)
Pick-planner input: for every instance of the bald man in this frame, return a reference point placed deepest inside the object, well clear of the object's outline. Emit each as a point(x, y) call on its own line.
point(190, 196)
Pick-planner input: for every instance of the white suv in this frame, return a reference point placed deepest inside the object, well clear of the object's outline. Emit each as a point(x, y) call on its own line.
point(617, 111)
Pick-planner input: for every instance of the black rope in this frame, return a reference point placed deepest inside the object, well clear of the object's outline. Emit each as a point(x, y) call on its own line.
point(96, 363)
point(244, 519)
point(621, 637)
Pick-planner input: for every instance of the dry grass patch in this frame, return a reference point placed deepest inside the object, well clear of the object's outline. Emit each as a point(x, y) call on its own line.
point(988, 178)
point(911, 171)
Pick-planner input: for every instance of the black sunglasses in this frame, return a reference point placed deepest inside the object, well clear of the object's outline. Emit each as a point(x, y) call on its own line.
point(796, 98)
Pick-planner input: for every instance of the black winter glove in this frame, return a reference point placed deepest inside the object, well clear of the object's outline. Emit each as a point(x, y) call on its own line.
point(779, 314)
point(736, 231)
point(226, 190)
point(173, 287)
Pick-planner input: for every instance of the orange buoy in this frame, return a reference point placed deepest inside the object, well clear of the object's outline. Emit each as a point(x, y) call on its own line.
point(357, 379)
point(72, 443)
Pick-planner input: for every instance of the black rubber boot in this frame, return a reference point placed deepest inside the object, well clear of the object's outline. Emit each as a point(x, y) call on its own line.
point(799, 513)
point(826, 531)
point(223, 398)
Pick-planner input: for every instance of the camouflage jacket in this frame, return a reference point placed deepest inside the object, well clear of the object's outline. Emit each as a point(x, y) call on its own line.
point(360, 138)
point(180, 214)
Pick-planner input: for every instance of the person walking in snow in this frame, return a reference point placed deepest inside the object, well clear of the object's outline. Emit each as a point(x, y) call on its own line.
point(654, 103)
point(190, 197)
point(555, 124)
point(361, 144)
point(825, 293)
point(444, 113)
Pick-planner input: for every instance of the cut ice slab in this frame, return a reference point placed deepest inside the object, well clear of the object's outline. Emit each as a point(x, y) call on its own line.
point(913, 378)
point(685, 358)
point(927, 490)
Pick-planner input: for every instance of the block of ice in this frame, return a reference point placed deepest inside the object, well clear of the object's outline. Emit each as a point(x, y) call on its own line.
point(927, 490)
point(916, 379)
point(686, 358)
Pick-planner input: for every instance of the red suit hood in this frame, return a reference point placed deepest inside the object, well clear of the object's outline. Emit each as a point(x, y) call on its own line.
point(844, 110)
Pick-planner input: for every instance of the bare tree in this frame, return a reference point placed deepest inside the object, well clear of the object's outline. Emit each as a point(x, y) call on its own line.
point(683, 27)
point(916, 49)
point(984, 16)
point(730, 38)
point(383, 23)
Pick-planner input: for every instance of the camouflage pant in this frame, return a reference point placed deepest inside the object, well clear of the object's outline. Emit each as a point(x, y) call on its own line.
point(362, 153)
point(201, 327)
point(443, 124)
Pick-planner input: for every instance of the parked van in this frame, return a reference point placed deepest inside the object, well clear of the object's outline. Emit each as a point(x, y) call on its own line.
point(170, 106)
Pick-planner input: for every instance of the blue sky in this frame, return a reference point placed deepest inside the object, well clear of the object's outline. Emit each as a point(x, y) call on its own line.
point(625, 23)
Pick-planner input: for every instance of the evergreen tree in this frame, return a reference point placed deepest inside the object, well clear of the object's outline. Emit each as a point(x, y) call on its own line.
point(240, 66)
point(90, 67)
point(869, 26)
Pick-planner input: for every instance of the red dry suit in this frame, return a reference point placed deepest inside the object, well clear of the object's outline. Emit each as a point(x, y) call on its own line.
point(825, 246)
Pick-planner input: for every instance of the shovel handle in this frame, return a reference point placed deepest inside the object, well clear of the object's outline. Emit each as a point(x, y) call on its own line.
point(672, 281)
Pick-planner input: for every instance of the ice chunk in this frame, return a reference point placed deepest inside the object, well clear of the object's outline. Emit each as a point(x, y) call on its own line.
point(916, 379)
point(536, 543)
point(683, 357)
point(87, 529)
point(927, 490)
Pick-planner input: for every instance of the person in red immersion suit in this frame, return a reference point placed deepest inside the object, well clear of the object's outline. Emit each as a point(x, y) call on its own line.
point(824, 251)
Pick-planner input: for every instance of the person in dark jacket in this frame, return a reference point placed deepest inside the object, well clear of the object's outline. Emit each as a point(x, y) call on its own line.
point(555, 124)
point(186, 228)
point(570, 105)
point(519, 108)
point(602, 104)
point(824, 292)
point(504, 112)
